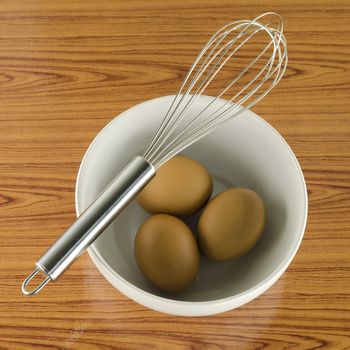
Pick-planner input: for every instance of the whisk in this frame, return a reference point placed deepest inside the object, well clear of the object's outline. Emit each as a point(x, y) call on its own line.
point(258, 51)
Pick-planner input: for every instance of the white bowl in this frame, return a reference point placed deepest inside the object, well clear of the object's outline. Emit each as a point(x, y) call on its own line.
point(246, 152)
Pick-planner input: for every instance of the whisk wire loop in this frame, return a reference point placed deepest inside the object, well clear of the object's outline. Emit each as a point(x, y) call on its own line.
point(180, 127)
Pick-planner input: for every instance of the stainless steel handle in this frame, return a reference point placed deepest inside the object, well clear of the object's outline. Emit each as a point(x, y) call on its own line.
point(92, 222)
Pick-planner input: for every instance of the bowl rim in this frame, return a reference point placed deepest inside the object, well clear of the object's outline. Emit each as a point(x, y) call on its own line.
point(253, 292)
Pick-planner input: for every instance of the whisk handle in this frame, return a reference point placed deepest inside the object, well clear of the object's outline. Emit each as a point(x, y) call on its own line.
point(92, 222)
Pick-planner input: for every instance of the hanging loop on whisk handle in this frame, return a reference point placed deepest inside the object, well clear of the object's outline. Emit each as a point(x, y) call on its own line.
point(92, 222)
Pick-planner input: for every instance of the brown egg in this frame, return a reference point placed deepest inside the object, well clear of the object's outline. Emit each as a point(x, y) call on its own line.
point(180, 187)
point(167, 253)
point(231, 224)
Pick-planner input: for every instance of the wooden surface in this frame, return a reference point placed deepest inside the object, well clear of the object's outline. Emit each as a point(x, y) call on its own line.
point(66, 69)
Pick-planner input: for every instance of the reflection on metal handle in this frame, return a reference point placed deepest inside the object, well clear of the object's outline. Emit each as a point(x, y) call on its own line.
point(92, 222)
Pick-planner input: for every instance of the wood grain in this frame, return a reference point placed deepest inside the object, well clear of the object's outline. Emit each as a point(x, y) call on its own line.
point(66, 69)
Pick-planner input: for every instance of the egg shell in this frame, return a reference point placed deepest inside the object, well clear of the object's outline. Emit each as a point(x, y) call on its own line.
point(167, 253)
point(231, 224)
point(181, 187)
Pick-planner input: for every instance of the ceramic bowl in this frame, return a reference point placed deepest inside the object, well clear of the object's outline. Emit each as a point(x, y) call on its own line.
point(245, 152)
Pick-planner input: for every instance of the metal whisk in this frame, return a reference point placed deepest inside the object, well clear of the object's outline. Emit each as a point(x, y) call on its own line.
point(258, 52)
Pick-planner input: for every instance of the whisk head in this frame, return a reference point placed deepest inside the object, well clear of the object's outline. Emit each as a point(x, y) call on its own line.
point(239, 65)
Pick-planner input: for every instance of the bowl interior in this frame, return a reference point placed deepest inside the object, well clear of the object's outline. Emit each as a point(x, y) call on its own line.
point(246, 152)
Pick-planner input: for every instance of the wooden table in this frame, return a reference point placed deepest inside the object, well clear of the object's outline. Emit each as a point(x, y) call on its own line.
point(66, 69)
